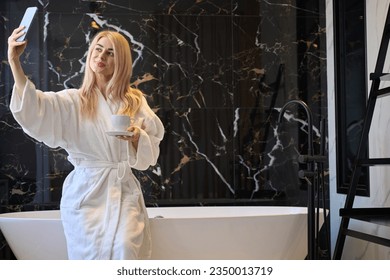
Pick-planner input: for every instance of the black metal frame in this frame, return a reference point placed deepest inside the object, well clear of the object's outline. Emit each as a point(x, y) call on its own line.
point(345, 90)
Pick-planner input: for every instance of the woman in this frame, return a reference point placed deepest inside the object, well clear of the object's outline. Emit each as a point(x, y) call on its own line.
point(102, 207)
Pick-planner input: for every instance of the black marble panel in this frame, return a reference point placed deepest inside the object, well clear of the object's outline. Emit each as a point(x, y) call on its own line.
point(216, 73)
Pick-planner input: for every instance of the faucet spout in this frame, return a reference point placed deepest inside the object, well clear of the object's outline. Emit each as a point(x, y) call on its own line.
point(309, 116)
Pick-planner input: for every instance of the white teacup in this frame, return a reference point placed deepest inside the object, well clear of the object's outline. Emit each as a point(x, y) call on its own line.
point(120, 122)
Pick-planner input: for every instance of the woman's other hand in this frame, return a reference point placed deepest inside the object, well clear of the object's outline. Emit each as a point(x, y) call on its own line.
point(134, 137)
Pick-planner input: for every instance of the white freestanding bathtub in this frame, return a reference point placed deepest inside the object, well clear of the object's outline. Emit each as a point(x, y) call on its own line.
point(180, 233)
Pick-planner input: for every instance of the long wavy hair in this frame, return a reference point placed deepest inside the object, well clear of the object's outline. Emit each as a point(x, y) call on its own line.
point(118, 87)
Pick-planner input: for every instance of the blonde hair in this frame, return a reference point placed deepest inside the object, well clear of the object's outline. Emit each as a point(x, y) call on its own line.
point(119, 85)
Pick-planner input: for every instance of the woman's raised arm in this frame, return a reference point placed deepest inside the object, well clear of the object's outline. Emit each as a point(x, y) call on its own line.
point(15, 50)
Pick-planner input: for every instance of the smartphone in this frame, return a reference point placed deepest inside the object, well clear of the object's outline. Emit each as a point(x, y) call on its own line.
point(27, 20)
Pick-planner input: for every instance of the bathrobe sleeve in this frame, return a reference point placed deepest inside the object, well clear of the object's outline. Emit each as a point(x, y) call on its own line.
point(42, 114)
point(152, 132)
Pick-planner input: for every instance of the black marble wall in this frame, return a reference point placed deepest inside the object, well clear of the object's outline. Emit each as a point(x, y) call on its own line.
point(217, 74)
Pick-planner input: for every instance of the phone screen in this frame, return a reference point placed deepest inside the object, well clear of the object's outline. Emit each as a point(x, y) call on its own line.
point(27, 20)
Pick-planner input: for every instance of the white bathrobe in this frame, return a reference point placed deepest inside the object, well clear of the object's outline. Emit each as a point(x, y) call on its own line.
point(102, 206)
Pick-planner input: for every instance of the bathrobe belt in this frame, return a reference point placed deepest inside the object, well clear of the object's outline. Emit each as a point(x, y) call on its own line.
point(123, 168)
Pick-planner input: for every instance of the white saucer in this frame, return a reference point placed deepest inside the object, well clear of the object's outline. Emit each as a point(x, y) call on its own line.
point(119, 133)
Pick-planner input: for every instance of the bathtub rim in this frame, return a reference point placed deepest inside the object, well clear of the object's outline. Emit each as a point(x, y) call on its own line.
point(191, 212)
